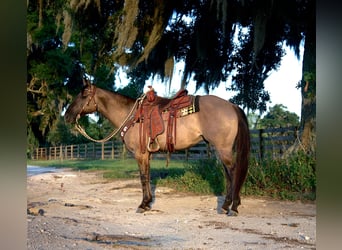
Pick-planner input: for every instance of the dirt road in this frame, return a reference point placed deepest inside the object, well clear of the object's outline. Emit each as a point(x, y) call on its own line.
point(80, 210)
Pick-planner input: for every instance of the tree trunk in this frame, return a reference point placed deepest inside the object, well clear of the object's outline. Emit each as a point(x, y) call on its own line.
point(40, 21)
point(308, 87)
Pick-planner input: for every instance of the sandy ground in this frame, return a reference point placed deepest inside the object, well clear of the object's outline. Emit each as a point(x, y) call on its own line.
point(82, 210)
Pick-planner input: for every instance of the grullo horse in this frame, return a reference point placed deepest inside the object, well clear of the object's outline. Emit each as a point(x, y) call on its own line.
point(218, 122)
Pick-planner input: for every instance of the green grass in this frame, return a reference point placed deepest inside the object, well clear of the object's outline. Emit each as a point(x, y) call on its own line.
point(199, 177)
point(293, 178)
point(115, 169)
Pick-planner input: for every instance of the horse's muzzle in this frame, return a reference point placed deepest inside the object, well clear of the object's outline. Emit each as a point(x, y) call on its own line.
point(69, 118)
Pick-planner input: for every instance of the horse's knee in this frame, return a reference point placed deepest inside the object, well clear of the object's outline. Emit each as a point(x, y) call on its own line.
point(144, 178)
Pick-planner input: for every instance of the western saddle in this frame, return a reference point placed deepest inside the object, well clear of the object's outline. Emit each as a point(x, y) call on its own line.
point(151, 113)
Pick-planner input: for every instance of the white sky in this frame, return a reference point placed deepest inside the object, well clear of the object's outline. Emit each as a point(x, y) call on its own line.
point(281, 84)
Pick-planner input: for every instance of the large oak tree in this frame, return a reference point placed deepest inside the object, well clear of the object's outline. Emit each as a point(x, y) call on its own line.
point(67, 39)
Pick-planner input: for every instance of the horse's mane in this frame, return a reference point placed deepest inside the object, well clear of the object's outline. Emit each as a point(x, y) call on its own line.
point(123, 97)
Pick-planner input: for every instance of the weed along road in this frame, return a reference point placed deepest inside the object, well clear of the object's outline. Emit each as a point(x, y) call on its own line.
point(83, 210)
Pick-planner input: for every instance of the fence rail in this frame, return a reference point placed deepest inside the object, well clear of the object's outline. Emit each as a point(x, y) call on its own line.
point(264, 143)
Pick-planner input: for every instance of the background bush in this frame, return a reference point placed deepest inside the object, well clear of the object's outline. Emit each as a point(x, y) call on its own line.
point(291, 178)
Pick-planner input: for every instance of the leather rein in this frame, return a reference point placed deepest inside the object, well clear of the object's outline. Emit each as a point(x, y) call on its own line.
point(115, 131)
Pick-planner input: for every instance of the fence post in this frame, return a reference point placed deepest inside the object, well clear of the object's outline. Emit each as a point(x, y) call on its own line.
point(187, 154)
point(261, 144)
point(72, 152)
point(102, 151)
point(208, 150)
point(94, 150)
point(61, 152)
point(124, 151)
point(112, 152)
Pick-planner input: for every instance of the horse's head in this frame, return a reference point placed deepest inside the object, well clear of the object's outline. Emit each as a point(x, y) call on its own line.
point(83, 104)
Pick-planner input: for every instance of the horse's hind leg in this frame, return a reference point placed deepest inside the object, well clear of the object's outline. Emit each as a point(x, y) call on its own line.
point(239, 175)
point(233, 184)
point(144, 168)
point(228, 200)
point(226, 159)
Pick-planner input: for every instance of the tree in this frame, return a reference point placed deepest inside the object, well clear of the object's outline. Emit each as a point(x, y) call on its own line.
point(279, 117)
point(59, 55)
point(149, 37)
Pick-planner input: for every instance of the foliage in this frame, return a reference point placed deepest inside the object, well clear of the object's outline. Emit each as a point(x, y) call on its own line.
point(290, 178)
point(65, 133)
point(279, 117)
point(201, 177)
point(55, 69)
point(67, 40)
point(131, 90)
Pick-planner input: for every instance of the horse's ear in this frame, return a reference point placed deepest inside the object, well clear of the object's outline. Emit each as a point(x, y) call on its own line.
point(86, 82)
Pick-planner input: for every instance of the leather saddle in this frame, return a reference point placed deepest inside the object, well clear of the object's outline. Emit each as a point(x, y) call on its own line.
point(154, 110)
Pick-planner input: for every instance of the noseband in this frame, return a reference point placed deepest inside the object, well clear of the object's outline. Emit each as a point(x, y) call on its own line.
point(91, 97)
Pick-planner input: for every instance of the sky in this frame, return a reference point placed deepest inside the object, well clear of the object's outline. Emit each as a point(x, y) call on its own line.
point(281, 84)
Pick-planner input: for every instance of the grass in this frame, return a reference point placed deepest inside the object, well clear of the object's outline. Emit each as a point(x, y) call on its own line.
point(114, 169)
point(293, 178)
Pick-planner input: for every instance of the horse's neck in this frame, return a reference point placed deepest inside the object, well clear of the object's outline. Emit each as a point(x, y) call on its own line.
point(113, 106)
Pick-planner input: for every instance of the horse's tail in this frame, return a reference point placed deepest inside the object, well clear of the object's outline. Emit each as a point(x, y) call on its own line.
point(242, 146)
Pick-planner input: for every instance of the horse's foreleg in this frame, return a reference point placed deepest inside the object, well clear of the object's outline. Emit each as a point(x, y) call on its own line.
point(144, 168)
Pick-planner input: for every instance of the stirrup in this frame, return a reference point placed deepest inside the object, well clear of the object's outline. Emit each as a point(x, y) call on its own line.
point(152, 150)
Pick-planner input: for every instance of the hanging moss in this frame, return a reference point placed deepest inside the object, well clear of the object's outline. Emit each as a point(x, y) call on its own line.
point(160, 19)
point(126, 31)
point(67, 28)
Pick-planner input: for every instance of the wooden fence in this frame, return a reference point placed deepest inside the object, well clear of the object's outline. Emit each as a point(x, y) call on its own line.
point(272, 142)
point(264, 143)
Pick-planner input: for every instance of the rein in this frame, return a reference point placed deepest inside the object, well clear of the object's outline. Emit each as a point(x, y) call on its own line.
point(115, 131)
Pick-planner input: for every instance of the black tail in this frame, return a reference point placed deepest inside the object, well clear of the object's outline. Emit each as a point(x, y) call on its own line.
point(242, 148)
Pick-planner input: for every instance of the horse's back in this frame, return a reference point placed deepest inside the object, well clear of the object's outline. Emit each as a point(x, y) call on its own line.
point(218, 120)
point(217, 108)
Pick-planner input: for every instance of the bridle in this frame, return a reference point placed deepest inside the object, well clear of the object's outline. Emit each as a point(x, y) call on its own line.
point(91, 97)
point(115, 131)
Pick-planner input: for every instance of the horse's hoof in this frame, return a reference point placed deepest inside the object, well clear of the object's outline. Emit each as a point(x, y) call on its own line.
point(140, 210)
point(232, 213)
point(222, 211)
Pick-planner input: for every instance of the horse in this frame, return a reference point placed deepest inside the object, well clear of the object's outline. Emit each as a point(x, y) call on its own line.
point(219, 122)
